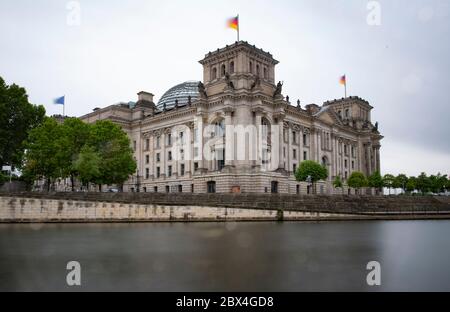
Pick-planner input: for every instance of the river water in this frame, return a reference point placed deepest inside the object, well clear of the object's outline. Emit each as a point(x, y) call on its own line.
point(289, 256)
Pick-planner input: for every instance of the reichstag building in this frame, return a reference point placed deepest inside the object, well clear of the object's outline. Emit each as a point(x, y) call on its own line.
point(236, 131)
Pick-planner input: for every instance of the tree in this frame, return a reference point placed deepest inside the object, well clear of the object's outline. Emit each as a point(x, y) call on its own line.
point(388, 181)
point(357, 180)
point(42, 146)
point(438, 183)
point(423, 183)
point(411, 184)
point(401, 181)
point(74, 136)
point(312, 169)
point(375, 180)
point(337, 183)
point(113, 146)
point(88, 165)
point(17, 118)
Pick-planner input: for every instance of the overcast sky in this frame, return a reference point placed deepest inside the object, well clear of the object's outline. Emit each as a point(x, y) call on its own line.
point(398, 60)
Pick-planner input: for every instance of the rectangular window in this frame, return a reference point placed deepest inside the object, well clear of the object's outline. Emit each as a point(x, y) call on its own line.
point(147, 173)
point(169, 171)
point(284, 151)
point(147, 159)
point(169, 139)
point(353, 164)
point(158, 142)
point(305, 156)
point(294, 137)
point(294, 154)
point(195, 166)
point(155, 189)
point(182, 169)
point(169, 157)
point(134, 145)
point(294, 168)
point(158, 157)
point(345, 163)
point(147, 144)
point(345, 149)
point(158, 172)
point(196, 152)
point(305, 139)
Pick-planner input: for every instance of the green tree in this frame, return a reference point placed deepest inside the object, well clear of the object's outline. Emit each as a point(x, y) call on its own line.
point(375, 180)
point(42, 146)
point(423, 183)
point(17, 118)
point(337, 183)
point(113, 146)
point(74, 136)
point(388, 181)
point(438, 183)
point(312, 169)
point(400, 181)
point(411, 184)
point(87, 165)
point(357, 180)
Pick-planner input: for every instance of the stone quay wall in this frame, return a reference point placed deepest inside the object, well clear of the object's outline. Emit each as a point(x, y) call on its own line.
point(147, 207)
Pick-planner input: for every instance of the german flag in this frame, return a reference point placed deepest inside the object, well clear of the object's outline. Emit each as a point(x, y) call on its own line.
point(343, 81)
point(233, 22)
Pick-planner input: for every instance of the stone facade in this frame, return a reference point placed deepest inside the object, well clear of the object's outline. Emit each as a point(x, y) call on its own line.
point(237, 132)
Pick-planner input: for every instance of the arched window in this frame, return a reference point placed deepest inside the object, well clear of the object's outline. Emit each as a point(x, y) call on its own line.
point(265, 73)
point(347, 113)
point(232, 67)
point(223, 71)
point(324, 161)
point(257, 70)
point(214, 73)
point(250, 67)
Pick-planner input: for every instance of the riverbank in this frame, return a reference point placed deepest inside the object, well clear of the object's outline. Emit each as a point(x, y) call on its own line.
point(134, 207)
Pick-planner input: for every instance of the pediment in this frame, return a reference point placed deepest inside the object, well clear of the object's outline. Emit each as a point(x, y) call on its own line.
point(328, 116)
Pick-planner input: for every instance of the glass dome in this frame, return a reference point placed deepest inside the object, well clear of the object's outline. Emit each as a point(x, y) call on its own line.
point(181, 93)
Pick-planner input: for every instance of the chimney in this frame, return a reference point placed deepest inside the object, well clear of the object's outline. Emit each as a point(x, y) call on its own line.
point(145, 96)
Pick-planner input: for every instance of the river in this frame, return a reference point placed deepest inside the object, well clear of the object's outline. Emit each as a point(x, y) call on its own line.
point(258, 256)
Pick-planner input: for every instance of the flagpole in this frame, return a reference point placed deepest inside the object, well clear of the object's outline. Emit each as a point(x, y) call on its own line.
point(345, 88)
point(239, 26)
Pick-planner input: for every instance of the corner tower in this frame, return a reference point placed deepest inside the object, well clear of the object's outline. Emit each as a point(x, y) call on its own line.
point(241, 67)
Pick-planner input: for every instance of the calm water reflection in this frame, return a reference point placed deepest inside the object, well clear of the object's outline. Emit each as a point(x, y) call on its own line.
point(414, 255)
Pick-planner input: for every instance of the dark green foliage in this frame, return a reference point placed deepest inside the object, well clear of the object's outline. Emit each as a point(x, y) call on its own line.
point(17, 118)
point(313, 169)
point(357, 180)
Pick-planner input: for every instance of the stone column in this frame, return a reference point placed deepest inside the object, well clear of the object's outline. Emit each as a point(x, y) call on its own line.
point(369, 158)
point(163, 154)
point(312, 143)
point(281, 140)
point(229, 138)
point(333, 157)
point(200, 143)
point(300, 148)
point(289, 148)
point(259, 138)
point(378, 159)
